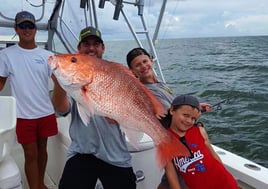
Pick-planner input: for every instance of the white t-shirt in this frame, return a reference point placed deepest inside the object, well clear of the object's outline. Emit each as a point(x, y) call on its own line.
point(29, 74)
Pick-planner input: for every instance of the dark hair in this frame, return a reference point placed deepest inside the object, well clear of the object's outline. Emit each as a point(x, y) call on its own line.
point(134, 53)
point(166, 121)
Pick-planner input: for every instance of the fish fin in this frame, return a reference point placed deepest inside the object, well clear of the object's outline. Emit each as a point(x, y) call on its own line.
point(166, 151)
point(84, 115)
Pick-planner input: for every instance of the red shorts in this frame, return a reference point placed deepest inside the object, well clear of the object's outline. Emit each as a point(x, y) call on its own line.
point(29, 130)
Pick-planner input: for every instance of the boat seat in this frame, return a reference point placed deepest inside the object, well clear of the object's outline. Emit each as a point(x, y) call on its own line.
point(7, 124)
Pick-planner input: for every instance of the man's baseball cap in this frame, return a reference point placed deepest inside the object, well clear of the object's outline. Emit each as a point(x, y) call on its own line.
point(89, 31)
point(24, 16)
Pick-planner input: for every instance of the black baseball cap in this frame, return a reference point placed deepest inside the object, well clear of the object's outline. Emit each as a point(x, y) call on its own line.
point(89, 31)
point(186, 100)
point(134, 53)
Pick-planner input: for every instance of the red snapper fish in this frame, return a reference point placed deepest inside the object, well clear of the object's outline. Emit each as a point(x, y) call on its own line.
point(110, 89)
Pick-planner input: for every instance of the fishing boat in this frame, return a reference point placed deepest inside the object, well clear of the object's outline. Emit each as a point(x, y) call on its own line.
point(58, 25)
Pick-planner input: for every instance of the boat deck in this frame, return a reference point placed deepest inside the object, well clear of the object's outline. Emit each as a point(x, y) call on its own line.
point(17, 154)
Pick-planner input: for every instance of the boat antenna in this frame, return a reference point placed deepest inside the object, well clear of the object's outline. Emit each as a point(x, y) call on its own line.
point(159, 20)
point(118, 6)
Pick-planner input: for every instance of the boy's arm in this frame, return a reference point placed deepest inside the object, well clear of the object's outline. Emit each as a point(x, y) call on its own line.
point(2, 82)
point(208, 144)
point(205, 107)
point(172, 176)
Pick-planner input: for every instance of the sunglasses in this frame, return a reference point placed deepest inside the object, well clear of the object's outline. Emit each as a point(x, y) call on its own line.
point(24, 25)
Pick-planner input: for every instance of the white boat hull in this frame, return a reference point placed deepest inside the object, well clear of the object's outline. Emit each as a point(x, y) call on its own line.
point(248, 174)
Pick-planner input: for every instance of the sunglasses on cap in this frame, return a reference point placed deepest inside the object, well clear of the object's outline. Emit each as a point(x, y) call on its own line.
point(25, 25)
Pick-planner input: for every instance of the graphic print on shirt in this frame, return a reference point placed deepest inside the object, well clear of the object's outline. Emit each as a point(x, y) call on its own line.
point(191, 164)
point(39, 61)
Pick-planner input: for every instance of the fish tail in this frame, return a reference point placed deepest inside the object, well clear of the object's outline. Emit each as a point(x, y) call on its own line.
point(167, 150)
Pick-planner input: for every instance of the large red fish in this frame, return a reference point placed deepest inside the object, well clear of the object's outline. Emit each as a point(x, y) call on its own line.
point(110, 89)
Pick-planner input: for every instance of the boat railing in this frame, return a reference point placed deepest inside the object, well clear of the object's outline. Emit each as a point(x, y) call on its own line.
point(57, 26)
point(144, 32)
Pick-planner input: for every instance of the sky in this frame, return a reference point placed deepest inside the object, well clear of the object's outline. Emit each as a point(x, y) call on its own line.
point(182, 18)
point(209, 18)
point(199, 18)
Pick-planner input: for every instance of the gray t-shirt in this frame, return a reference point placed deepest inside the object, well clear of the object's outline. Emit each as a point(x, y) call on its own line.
point(104, 140)
point(162, 92)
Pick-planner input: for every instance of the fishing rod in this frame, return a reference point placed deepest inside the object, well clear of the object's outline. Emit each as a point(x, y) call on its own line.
point(218, 104)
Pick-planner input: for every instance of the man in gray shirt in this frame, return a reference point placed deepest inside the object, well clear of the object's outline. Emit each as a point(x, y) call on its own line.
point(98, 150)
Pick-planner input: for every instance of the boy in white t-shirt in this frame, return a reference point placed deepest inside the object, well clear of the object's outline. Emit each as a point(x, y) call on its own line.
point(26, 66)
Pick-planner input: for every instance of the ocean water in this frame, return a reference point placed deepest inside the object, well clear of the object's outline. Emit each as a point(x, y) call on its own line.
point(231, 70)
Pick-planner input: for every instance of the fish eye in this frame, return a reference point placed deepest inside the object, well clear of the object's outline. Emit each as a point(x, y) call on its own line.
point(73, 59)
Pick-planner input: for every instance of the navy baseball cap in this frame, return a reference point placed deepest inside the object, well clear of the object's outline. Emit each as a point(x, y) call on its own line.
point(24, 16)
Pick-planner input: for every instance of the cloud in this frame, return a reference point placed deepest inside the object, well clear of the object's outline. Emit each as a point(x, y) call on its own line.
point(253, 24)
